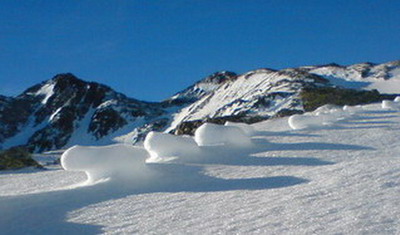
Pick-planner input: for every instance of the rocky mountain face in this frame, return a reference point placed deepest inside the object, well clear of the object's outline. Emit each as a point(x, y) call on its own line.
point(47, 116)
point(65, 110)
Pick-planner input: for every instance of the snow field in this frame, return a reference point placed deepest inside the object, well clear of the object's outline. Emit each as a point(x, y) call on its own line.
point(330, 114)
point(342, 180)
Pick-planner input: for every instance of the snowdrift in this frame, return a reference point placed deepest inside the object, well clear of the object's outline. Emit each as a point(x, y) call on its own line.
point(117, 161)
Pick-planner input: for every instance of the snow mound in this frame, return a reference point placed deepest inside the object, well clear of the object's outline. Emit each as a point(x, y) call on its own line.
point(247, 129)
point(164, 147)
point(388, 104)
point(210, 134)
point(110, 162)
point(397, 99)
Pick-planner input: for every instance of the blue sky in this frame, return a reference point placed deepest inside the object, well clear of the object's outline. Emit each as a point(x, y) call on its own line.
point(151, 49)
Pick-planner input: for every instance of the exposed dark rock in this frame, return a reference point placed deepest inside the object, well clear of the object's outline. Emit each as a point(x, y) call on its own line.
point(317, 97)
point(16, 158)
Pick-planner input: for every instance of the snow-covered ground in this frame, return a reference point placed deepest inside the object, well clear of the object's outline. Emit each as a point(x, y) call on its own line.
point(341, 178)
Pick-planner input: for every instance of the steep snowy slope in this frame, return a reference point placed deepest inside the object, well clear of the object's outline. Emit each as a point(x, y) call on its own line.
point(338, 179)
point(203, 87)
point(257, 93)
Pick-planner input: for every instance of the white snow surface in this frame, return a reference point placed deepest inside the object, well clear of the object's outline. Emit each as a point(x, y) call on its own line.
point(47, 91)
point(326, 115)
point(247, 129)
point(112, 162)
point(342, 179)
point(163, 147)
point(383, 77)
point(210, 134)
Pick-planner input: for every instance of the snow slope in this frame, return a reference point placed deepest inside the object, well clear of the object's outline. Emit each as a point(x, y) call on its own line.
point(337, 179)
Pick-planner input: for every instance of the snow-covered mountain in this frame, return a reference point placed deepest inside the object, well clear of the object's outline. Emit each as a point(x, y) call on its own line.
point(203, 87)
point(65, 110)
point(265, 93)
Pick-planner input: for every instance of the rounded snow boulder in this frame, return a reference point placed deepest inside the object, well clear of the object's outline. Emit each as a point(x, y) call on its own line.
point(106, 162)
point(162, 146)
point(210, 134)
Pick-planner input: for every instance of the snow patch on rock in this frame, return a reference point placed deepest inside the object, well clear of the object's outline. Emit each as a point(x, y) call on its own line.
point(47, 91)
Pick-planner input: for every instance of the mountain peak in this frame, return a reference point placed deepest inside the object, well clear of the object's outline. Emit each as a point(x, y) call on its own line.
point(64, 76)
point(220, 77)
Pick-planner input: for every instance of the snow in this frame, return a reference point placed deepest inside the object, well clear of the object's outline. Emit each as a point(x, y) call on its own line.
point(352, 109)
point(388, 104)
point(23, 136)
point(384, 77)
point(210, 134)
point(162, 146)
point(342, 179)
point(327, 115)
point(46, 91)
point(112, 162)
point(242, 95)
point(297, 122)
point(247, 129)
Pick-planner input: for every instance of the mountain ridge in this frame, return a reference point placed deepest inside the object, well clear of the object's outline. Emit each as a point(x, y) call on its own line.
point(66, 110)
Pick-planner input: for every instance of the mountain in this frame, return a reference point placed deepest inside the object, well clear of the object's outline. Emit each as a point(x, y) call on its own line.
point(66, 110)
point(266, 93)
